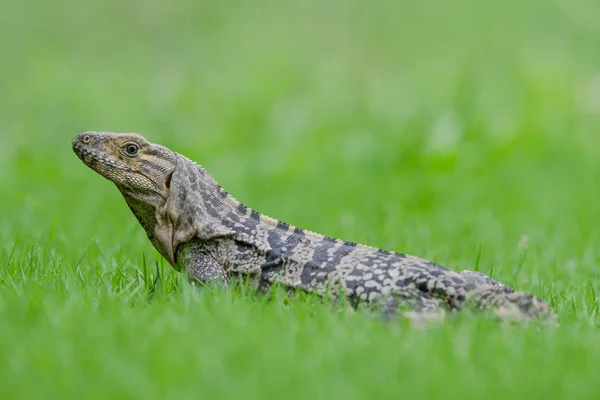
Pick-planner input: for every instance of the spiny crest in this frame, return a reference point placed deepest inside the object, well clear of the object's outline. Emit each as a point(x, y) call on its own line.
point(127, 159)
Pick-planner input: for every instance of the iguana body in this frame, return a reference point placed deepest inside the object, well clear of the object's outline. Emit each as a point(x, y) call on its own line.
point(200, 229)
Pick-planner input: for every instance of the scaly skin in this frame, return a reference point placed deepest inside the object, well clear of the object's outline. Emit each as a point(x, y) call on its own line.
point(202, 230)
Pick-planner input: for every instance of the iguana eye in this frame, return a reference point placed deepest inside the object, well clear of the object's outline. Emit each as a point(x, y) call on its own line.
point(131, 149)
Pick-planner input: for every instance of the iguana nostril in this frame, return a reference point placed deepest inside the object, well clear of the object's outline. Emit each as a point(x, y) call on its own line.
point(86, 139)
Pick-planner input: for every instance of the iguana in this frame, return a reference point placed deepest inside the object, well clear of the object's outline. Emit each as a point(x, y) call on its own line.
point(203, 231)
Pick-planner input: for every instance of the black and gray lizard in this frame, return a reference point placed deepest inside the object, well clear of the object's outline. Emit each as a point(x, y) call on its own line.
point(202, 230)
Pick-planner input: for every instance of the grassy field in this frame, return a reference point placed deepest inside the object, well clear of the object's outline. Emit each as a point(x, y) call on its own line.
point(465, 133)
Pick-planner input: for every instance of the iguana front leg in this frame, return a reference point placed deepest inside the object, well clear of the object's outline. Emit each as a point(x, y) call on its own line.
point(200, 266)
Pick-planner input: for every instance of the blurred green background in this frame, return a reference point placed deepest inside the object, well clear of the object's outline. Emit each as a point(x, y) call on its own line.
point(462, 132)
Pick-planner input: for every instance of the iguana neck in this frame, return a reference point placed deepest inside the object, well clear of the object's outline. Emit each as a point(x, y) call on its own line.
point(249, 226)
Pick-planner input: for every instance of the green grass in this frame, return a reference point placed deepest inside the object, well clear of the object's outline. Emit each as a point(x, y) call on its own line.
point(465, 133)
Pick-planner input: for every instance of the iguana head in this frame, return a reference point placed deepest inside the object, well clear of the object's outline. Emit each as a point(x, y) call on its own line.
point(173, 198)
point(135, 165)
